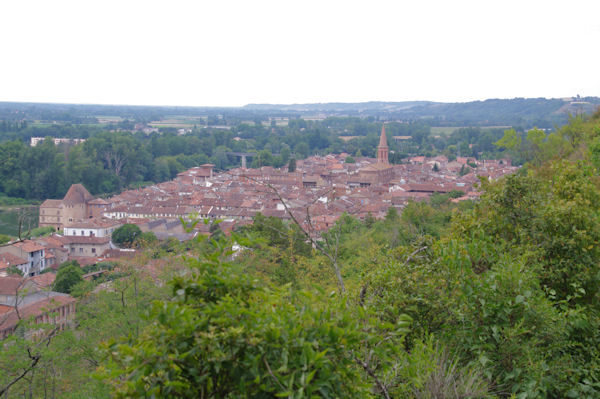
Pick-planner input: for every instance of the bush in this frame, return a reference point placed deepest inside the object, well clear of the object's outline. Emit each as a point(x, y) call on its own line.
point(4, 239)
point(145, 240)
point(69, 263)
point(224, 333)
point(42, 231)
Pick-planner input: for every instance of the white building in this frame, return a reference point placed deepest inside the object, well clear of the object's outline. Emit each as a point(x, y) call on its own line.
point(36, 140)
point(92, 228)
point(31, 256)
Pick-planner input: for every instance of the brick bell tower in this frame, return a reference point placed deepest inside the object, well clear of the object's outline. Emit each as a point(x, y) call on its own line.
point(382, 148)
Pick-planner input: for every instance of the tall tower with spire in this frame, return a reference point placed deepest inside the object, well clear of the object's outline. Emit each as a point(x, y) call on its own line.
point(383, 149)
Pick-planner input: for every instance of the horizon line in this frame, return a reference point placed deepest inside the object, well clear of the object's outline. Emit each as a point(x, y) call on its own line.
point(283, 104)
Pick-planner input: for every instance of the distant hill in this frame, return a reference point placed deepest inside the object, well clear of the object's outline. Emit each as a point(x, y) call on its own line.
point(521, 112)
point(341, 107)
point(541, 112)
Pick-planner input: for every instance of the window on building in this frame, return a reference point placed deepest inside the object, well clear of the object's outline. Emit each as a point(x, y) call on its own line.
point(82, 232)
point(80, 250)
point(93, 250)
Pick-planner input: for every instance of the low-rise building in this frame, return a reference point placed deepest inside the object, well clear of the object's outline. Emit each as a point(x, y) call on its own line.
point(32, 253)
point(85, 246)
point(8, 261)
point(23, 301)
point(91, 228)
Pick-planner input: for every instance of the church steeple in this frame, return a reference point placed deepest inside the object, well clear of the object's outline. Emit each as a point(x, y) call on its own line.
point(382, 148)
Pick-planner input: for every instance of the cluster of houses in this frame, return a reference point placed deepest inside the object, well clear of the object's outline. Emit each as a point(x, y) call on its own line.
point(321, 189)
point(316, 194)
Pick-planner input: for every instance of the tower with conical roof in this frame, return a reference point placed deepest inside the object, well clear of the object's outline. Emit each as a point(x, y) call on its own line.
point(383, 149)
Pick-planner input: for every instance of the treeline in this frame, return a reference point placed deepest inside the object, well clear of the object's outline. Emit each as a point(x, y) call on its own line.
point(110, 161)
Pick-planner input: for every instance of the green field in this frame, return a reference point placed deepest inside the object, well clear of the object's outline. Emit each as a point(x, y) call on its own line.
point(443, 130)
point(448, 130)
point(9, 219)
point(48, 124)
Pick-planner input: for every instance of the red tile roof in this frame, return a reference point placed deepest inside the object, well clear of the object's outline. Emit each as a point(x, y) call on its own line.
point(29, 246)
point(44, 280)
point(77, 194)
point(11, 285)
point(12, 260)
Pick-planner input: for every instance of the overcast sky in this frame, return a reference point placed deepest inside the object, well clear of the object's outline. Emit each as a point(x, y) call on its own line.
point(230, 53)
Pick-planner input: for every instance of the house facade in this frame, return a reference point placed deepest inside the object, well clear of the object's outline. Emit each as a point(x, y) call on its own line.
point(33, 255)
point(91, 228)
point(85, 246)
point(34, 305)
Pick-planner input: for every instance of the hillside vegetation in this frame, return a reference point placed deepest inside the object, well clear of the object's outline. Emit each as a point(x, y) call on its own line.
point(493, 299)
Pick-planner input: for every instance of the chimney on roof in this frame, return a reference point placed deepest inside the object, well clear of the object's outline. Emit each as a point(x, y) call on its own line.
point(208, 167)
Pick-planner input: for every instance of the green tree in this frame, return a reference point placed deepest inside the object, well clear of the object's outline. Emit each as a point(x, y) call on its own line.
point(66, 278)
point(145, 240)
point(302, 150)
point(511, 141)
point(126, 235)
point(369, 220)
point(595, 152)
point(274, 342)
point(285, 153)
point(263, 158)
point(392, 215)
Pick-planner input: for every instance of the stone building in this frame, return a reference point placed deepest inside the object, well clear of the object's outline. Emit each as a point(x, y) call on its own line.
point(78, 204)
